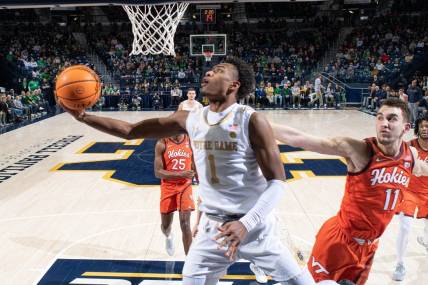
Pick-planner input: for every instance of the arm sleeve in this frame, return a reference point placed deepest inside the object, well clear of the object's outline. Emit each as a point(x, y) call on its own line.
point(264, 205)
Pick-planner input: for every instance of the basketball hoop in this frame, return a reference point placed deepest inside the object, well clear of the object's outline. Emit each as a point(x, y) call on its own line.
point(154, 27)
point(208, 55)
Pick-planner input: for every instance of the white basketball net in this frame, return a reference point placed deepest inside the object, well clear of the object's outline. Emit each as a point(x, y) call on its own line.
point(154, 27)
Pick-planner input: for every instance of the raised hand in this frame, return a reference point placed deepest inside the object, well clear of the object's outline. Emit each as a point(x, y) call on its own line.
point(77, 114)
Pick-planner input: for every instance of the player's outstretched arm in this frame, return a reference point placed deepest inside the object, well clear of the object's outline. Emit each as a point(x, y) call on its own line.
point(341, 146)
point(355, 151)
point(150, 128)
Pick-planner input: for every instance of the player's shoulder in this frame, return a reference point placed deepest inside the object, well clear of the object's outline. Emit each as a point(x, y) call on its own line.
point(161, 144)
point(257, 121)
point(245, 109)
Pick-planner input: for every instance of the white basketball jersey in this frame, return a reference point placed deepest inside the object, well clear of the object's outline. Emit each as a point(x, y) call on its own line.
point(229, 175)
point(187, 107)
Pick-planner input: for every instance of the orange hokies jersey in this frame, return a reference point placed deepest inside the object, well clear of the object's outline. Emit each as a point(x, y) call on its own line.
point(419, 183)
point(177, 157)
point(372, 194)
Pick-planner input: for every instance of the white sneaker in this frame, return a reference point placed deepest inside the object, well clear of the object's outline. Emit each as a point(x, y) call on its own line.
point(260, 275)
point(399, 272)
point(169, 245)
point(422, 242)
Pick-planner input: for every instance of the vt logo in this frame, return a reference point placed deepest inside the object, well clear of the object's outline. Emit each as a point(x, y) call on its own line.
point(134, 167)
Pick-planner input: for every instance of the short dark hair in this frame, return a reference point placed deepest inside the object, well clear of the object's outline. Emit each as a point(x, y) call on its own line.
point(191, 89)
point(245, 76)
point(418, 122)
point(398, 103)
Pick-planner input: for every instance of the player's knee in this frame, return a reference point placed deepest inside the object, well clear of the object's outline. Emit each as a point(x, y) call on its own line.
point(165, 228)
point(184, 220)
point(185, 224)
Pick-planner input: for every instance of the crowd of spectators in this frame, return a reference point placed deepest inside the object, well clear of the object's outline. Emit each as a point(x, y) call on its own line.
point(380, 49)
point(286, 94)
point(296, 94)
point(273, 52)
point(409, 5)
point(34, 59)
point(283, 56)
point(16, 108)
point(415, 94)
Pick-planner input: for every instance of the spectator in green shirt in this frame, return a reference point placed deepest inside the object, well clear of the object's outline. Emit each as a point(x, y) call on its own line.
point(286, 91)
point(277, 95)
point(33, 84)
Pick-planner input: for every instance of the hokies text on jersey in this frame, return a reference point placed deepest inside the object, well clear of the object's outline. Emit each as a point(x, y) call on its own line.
point(178, 153)
point(380, 176)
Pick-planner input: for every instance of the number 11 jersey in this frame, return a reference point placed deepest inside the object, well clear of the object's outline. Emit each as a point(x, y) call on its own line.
point(372, 195)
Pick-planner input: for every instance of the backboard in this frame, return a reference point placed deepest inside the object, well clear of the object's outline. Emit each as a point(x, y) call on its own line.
point(217, 43)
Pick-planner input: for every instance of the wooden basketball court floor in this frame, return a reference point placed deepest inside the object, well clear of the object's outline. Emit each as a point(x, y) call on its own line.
point(89, 213)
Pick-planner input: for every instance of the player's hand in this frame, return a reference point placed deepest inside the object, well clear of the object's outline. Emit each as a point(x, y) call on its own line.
point(187, 174)
point(77, 114)
point(230, 236)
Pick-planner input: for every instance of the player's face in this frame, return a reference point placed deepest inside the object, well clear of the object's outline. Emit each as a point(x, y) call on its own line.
point(178, 138)
point(191, 95)
point(217, 82)
point(423, 130)
point(390, 125)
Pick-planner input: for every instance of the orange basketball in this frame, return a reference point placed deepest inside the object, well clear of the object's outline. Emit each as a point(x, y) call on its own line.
point(78, 87)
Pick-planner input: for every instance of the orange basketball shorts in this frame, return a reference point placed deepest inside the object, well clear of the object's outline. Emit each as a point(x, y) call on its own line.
point(176, 197)
point(336, 255)
point(413, 201)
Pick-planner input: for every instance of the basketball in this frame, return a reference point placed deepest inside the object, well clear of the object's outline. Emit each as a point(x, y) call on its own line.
point(78, 87)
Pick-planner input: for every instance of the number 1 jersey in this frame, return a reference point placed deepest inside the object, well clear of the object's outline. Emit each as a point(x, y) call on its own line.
point(230, 180)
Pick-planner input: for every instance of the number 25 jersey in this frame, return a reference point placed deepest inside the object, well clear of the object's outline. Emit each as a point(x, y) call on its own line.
point(177, 157)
